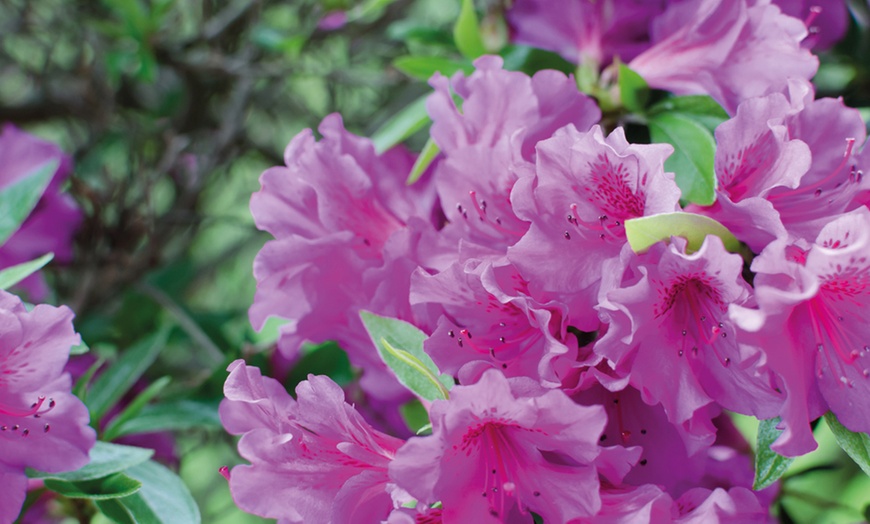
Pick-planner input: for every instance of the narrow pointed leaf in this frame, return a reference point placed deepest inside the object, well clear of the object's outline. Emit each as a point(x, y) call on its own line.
point(114, 486)
point(427, 156)
point(466, 32)
point(18, 199)
point(15, 274)
point(402, 125)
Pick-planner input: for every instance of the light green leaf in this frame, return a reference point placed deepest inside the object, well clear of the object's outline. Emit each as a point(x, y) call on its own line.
point(80, 349)
point(856, 445)
point(427, 156)
point(18, 199)
point(402, 125)
point(423, 67)
point(15, 274)
point(172, 416)
point(400, 345)
point(112, 384)
point(106, 459)
point(643, 232)
point(112, 431)
point(112, 487)
point(466, 32)
point(633, 89)
point(163, 498)
point(769, 465)
point(692, 160)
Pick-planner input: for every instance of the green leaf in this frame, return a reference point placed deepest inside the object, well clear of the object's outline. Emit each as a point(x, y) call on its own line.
point(113, 383)
point(400, 345)
point(172, 416)
point(15, 274)
point(133, 408)
point(692, 160)
point(402, 125)
point(427, 156)
point(163, 498)
point(325, 359)
point(106, 459)
point(415, 415)
point(466, 32)
point(643, 232)
point(700, 108)
point(856, 445)
point(423, 67)
point(769, 465)
point(18, 199)
point(80, 389)
point(111, 487)
point(80, 349)
point(633, 89)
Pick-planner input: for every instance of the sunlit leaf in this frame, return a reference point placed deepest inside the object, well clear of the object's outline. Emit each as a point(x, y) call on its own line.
point(643, 232)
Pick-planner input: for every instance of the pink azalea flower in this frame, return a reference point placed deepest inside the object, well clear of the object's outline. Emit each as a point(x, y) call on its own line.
point(585, 31)
point(584, 188)
point(342, 218)
point(729, 49)
point(487, 319)
point(786, 167)
point(810, 324)
point(669, 327)
point(826, 20)
point(490, 142)
point(648, 503)
point(313, 459)
point(42, 425)
point(52, 224)
point(502, 448)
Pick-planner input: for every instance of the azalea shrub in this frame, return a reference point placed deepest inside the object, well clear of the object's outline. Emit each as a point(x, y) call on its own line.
point(561, 262)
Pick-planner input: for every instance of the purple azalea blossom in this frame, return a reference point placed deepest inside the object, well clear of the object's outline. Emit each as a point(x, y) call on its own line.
point(342, 218)
point(810, 324)
point(786, 167)
point(729, 49)
point(584, 188)
point(42, 425)
point(313, 459)
point(584, 31)
point(826, 20)
point(53, 222)
point(489, 142)
point(669, 327)
point(648, 503)
point(501, 448)
point(487, 319)
point(631, 422)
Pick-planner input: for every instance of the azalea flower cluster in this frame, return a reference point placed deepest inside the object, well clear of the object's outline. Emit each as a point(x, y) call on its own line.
point(592, 378)
point(42, 424)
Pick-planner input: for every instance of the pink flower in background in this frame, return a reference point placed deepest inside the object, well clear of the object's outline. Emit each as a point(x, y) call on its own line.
point(811, 324)
point(53, 222)
point(826, 20)
point(501, 448)
point(313, 459)
point(42, 425)
point(585, 31)
point(729, 49)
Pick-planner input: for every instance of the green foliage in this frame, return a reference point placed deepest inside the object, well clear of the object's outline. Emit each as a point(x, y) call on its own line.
point(19, 198)
point(643, 232)
point(769, 465)
point(633, 89)
point(466, 32)
point(856, 445)
point(15, 274)
point(114, 486)
point(402, 125)
point(692, 159)
point(424, 160)
point(400, 345)
point(106, 459)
